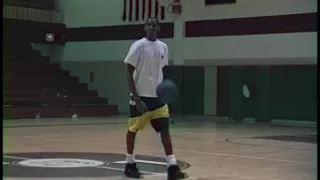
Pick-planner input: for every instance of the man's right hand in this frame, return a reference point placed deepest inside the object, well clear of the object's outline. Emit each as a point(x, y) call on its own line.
point(141, 106)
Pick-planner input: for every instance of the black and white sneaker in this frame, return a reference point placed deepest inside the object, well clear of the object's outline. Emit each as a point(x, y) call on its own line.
point(174, 173)
point(132, 171)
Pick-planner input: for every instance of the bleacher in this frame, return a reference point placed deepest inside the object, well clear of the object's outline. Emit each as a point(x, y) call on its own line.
point(36, 4)
point(33, 86)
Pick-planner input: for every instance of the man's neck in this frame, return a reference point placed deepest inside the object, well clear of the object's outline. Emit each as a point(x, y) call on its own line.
point(151, 39)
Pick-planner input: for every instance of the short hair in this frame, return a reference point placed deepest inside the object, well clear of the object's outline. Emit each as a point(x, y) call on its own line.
point(157, 20)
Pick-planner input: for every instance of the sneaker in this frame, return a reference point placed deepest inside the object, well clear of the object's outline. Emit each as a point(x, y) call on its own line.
point(132, 171)
point(174, 173)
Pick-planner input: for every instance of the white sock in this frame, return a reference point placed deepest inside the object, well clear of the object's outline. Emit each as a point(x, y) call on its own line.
point(171, 160)
point(130, 158)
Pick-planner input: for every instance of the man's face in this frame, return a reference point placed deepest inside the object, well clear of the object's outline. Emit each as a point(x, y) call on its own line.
point(152, 27)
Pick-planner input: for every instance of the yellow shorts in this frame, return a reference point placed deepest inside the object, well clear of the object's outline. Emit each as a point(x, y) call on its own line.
point(157, 115)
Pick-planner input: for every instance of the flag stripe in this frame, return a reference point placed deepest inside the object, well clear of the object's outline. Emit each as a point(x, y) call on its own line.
point(149, 8)
point(124, 12)
point(137, 10)
point(130, 10)
point(162, 12)
point(156, 9)
point(143, 9)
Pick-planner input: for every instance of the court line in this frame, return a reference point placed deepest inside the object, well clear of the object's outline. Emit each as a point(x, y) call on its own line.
point(59, 125)
point(99, 167)
point(119, 169)
point(248, 157)
point(15, 157)
point(63, 135)
point(231, 141)
point(56, 135)
point(51, 137)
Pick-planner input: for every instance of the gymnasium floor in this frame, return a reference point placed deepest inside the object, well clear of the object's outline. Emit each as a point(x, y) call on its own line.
point(89, 149)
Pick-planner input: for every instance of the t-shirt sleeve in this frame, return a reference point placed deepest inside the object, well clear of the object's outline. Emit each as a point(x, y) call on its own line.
point(133, 55)
point(166, 56)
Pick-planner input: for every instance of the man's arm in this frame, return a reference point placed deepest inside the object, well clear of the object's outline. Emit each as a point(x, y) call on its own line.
point(131, 62)
point(132, 86)
point(165, 60)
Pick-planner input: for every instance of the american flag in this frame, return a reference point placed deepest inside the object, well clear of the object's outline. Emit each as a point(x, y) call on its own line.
point(140, 10)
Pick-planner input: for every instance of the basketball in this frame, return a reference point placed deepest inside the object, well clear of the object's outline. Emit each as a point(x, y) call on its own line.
point(167, 91)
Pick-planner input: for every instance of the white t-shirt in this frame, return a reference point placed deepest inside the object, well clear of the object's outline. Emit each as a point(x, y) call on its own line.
point(148, 58)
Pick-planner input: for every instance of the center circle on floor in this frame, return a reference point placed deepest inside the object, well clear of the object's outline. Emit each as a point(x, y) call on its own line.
point(60, 163)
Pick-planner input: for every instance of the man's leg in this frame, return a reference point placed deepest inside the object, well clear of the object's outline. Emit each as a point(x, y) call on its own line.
point(160, 122)
point(137, 121)
point(131, 136)
point(161, 126)
point(131, 169)
point(173, 171)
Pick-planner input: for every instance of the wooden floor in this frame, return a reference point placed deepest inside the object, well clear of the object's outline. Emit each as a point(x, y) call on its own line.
point(215, 151)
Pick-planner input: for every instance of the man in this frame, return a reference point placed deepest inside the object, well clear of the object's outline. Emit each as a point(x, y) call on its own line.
point(144, 62)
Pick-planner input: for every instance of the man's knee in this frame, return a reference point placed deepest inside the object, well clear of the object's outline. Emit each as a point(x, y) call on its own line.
point(160, 125)
point(132, 132)
point(164, 133)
